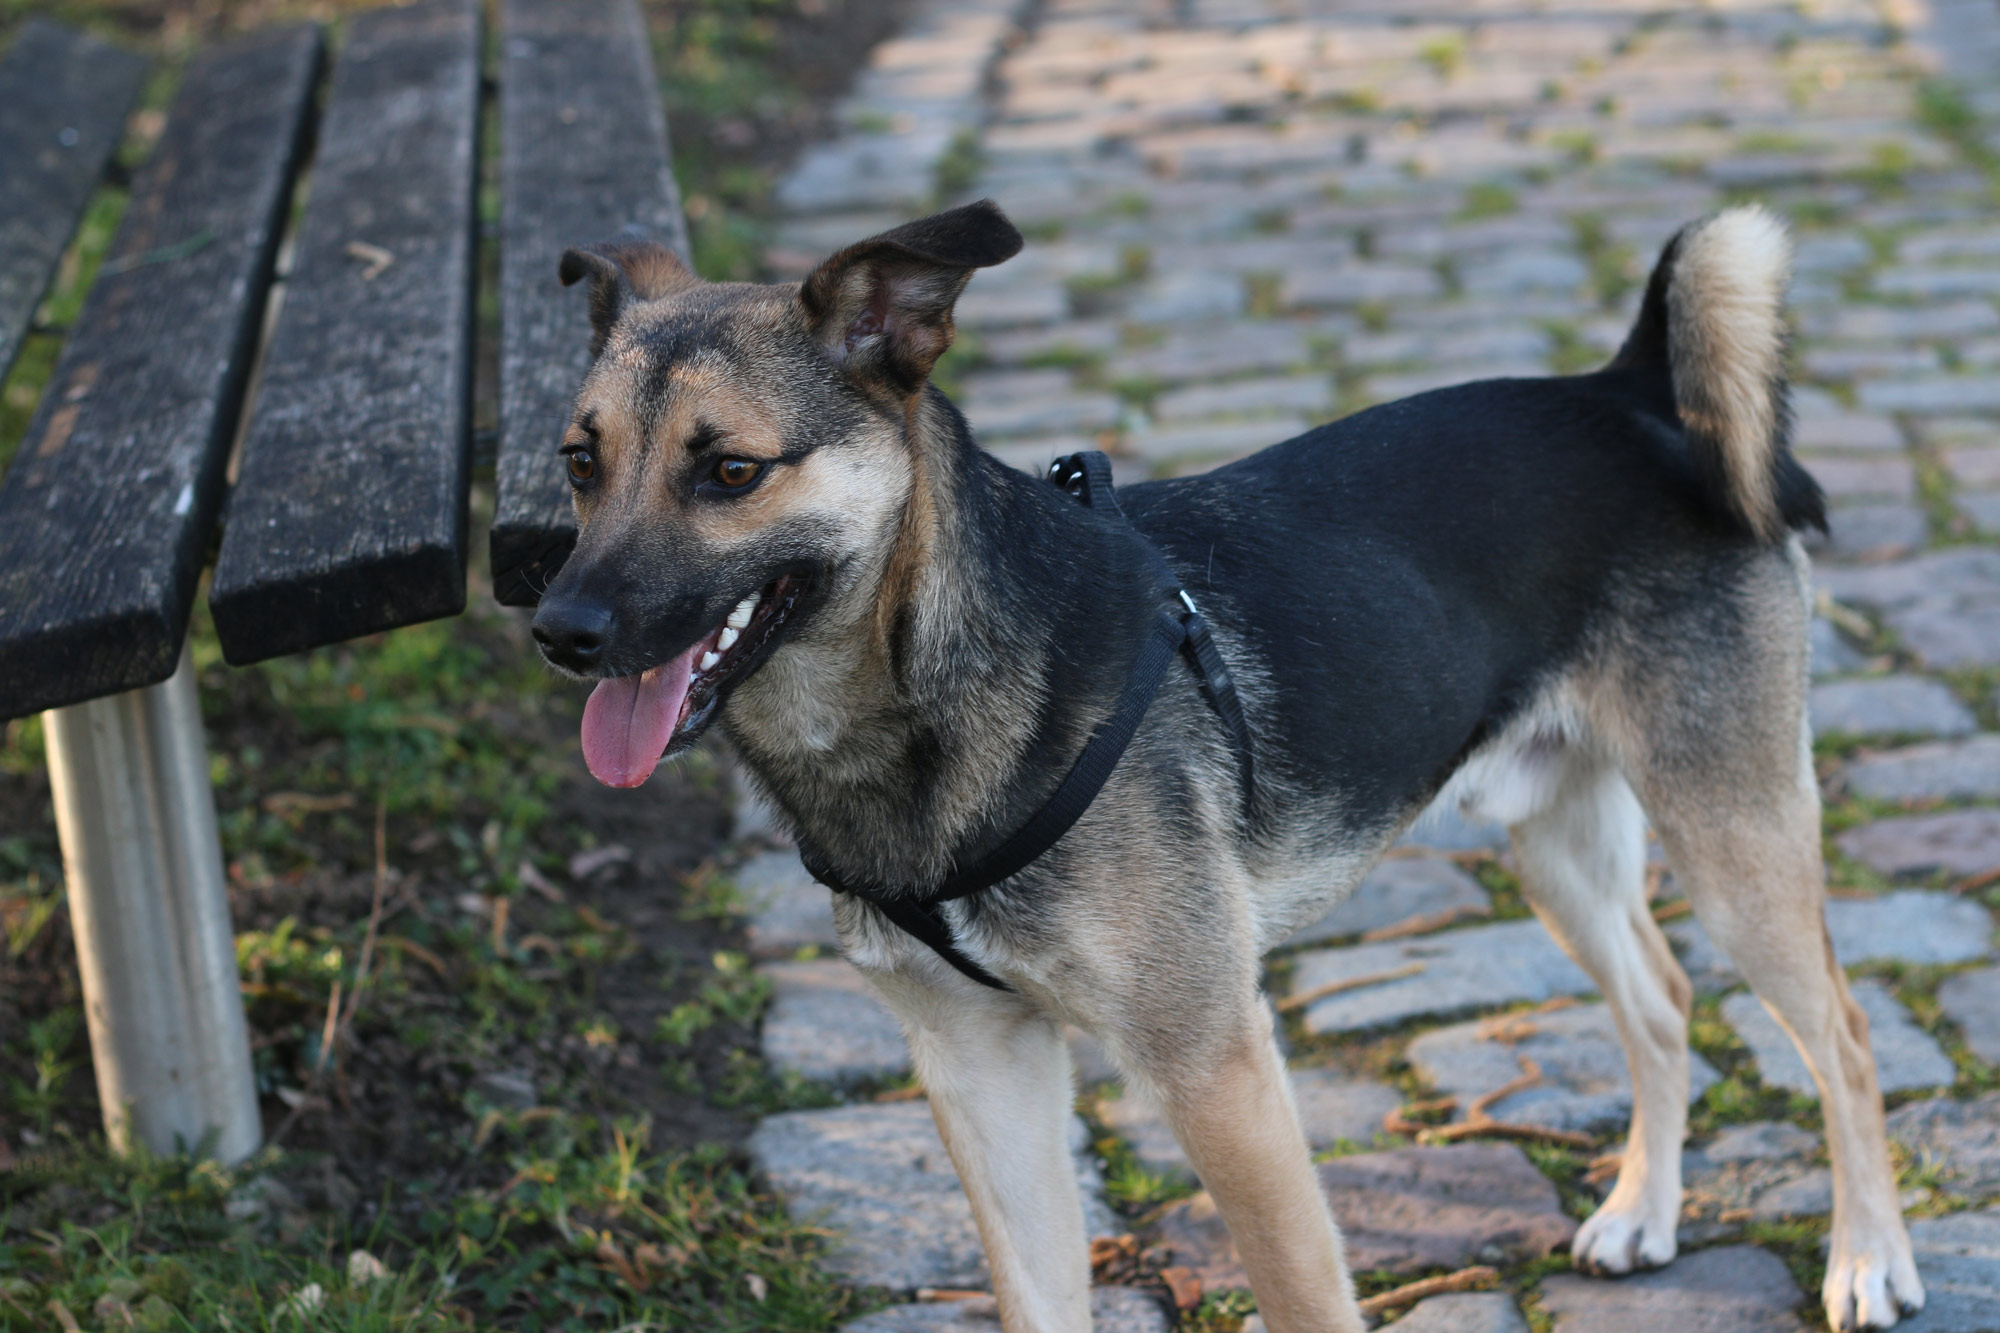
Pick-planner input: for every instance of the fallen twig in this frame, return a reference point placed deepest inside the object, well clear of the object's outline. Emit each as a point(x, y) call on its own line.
point(374, 256)
point(1430, 921)
point(1477, 1278)
point(1479, 1121)
point(1604, 1167)
point(1399, 1121)
point(1304, 998)
point(1974, 883)
point(1672, 911)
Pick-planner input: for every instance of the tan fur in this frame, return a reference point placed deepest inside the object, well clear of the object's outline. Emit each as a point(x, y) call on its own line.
point(1726, 347)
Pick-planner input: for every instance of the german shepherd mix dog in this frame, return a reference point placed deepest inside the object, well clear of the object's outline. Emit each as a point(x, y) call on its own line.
point(1569, 604)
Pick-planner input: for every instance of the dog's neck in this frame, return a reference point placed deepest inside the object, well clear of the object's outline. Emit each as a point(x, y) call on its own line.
point(929, 711)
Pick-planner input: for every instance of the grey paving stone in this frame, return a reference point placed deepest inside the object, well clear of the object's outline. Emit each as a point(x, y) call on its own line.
point(1359, 284)
point(1876, 531)
point(1849, 478)
point(1847, 363)
point(1112, 1310)
point(825, 1023)
point(1810, 1195)
point(1961, 1138)
point(1906, 1057)
point(1980, 508)
point(1760, 1141)
point(1399, 889)
point(787, 909)
point(1043, 414)
point(1966, 571)
point(1959, 770)
point(1515, 272)
point(1179, 298)
point(1232, 350)
point(1464, 1312)
point(1972, 1000)
point(1503, 963)
point(1937, 395)
point(1751, 1170)
point(1960, 842)
point(1585, 1082)
point(1977, 466)
point(1956, 319)
point(1958, 1257)
point(1901, 705)
point(1952, 635)
point(1213, 439)
point(1832, 654)
point(1732, 1289)
point(1331, 1109)
point(879, 1176)
point(1272, 395)
point(1405, 1211)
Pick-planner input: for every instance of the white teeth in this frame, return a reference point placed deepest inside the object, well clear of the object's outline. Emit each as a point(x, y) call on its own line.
point(708, 660)
point(727, 639)
point(744, 610)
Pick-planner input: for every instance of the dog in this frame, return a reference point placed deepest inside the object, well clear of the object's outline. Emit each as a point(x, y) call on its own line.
point(1572, 605)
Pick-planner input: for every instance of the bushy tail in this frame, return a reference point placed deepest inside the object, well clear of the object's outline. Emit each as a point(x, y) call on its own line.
point(1713, 318)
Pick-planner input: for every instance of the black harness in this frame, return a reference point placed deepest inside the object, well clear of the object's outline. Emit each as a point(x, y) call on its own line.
point(1178, 629)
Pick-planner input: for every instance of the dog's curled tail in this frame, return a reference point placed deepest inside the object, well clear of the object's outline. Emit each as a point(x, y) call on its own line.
point(1713, 320)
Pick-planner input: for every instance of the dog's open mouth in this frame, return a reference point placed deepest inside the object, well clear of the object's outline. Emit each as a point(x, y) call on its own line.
point(632, 722)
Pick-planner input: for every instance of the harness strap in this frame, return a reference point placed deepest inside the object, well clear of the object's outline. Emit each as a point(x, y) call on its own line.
point(1178, 629)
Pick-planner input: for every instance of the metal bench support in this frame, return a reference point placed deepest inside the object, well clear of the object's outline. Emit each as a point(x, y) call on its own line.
point(150, 909)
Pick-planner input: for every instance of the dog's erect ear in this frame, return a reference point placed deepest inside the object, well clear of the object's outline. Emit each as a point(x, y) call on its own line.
point(621, 271)
point(882, 306)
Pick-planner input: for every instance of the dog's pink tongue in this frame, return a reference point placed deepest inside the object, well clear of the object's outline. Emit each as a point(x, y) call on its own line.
point(630, 719)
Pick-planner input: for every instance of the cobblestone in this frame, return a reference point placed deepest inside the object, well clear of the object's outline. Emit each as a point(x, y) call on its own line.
point(1942, 771)
point(1584, 1085)
point(1404, 1211)
point(1504, 963)
point(1889, 706)
point(1906, 1057)
point(825, 1024)
point(1962, 1139)
point(1734, 1289)
point(1248, 216)
point(1972, 1000)
point(879, 1178)
point(1400, 889)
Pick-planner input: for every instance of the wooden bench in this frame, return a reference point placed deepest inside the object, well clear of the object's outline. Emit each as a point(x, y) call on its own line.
point(308, 425)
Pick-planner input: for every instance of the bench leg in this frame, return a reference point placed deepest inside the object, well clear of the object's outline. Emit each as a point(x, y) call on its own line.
point(150, 910)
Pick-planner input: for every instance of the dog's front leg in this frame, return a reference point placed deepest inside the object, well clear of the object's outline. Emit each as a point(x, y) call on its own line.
point(998, 1076)
point(1232, 1111)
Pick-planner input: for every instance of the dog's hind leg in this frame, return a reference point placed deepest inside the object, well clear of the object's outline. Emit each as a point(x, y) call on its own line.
point(998, 1076)
point(1231, 1108)
point(1717, 747)
point(1583, 868)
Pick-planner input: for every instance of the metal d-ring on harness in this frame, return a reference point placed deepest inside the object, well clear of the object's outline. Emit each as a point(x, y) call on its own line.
point(1177, 629)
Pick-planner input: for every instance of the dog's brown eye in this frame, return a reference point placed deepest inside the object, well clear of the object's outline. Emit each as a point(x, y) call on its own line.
point(582, 466)
point(737, 473)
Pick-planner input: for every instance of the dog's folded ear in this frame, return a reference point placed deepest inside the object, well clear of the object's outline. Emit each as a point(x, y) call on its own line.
point(882, 306)
point(621, 271)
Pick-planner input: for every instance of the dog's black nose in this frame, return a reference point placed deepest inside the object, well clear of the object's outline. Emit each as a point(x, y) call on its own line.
point(573, 631)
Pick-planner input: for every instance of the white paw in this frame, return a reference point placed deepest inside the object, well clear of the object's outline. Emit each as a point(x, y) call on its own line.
point(1871, 1285)
point(1620, 1240)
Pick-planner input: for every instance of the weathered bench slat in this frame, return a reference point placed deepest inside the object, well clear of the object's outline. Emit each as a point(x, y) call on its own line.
point(349, 512)
point(106, 514)
point(583, 157)
point(63, 100)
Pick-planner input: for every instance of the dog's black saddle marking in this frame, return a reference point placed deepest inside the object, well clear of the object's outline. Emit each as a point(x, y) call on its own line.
point(1178, 629)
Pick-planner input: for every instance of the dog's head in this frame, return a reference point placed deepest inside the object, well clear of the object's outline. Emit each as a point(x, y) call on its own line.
point(741, 458)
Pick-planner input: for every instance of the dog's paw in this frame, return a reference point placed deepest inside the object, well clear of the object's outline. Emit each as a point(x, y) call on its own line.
point(1871, 1285)
point(1618, 1240)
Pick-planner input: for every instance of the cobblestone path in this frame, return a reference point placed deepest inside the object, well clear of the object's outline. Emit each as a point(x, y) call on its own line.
point(1250, 216)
